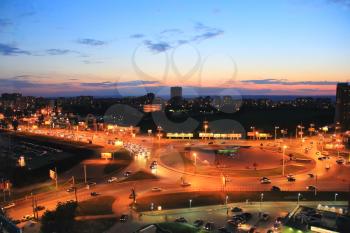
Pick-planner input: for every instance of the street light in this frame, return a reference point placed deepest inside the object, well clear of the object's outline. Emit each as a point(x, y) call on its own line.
point(276, 128)
point(299, 194)
point(253, 128)
point(226, 200)
point(283, 154)
point(335, 197)
point(190, 203)
point(261, 199)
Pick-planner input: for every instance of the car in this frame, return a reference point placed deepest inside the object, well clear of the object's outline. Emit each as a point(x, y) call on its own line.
point(181, 220)
point(94, 194)
point(123, 218)
point(185, 184)
point(252, 230)
point(91, 183)
point(112, 179)
point(209, 226)
point(39, 208)
point(311, 188)
point(311, 175)
point(233, 223)
point(154, 162)
point(210, 143)
point(28, 217)
point(236, 209)
point(239, 219)
point(127, 173)
point(247, 216)
point(71, 189)
point(9, 206)
point(340, 161)
point(291, 178)
point(275, 189)
point(198, 223)
point(156, 189)
point(265, 217)
point(265, 180)
point(321, 158)
point(223, 230)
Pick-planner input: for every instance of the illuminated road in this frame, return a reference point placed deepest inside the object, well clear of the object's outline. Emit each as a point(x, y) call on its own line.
point(334, 179)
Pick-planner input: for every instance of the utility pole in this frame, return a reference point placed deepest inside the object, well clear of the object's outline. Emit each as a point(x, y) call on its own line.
point(56, 178)
point(76, 195)
point(33, 205)
point(85, 177)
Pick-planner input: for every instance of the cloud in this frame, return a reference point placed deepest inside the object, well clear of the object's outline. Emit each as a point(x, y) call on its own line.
point(91, 42)
point(157, 47)
point(137, 36)
point(91, 62)
point(108, 84)
point(345, 3)
point(172, 31)
point(9, 50)
point(287, 82)
point(206, 32)
point(5, 23)
point(59, 51)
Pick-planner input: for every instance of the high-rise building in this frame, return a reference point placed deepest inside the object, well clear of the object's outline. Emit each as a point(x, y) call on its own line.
point(175, 92)
point(342, 114)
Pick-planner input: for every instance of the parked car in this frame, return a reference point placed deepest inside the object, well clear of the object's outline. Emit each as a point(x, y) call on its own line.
point(236, 209)
point(265, 217)
point(198, 223)
point(311, 188)
point(223, 230)
point(275, 189)
point(209, 226)
point(94, 194)
point(181, 220)
point(123, 218)
point(91, 183)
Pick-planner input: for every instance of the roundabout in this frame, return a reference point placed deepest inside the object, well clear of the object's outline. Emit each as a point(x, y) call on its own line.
point(234, 160)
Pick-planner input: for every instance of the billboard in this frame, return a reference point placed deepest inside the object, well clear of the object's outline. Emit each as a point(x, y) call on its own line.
point(52, 174)
point(106, 155)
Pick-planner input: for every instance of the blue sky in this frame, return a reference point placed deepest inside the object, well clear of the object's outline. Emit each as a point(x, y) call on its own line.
point(271, 47)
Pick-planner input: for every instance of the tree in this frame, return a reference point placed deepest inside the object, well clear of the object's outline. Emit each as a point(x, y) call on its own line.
point(60, 220)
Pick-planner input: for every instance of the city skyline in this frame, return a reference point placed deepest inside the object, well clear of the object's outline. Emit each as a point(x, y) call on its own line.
point(273, 48)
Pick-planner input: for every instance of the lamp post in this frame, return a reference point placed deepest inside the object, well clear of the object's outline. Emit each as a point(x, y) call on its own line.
point(226, 200)
point(205, 125)
point(253, 128)
point(190, 203)
point(283, 154)
point(261, 200)
point(335, 197)
point(299, 197)
point(276, 128)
